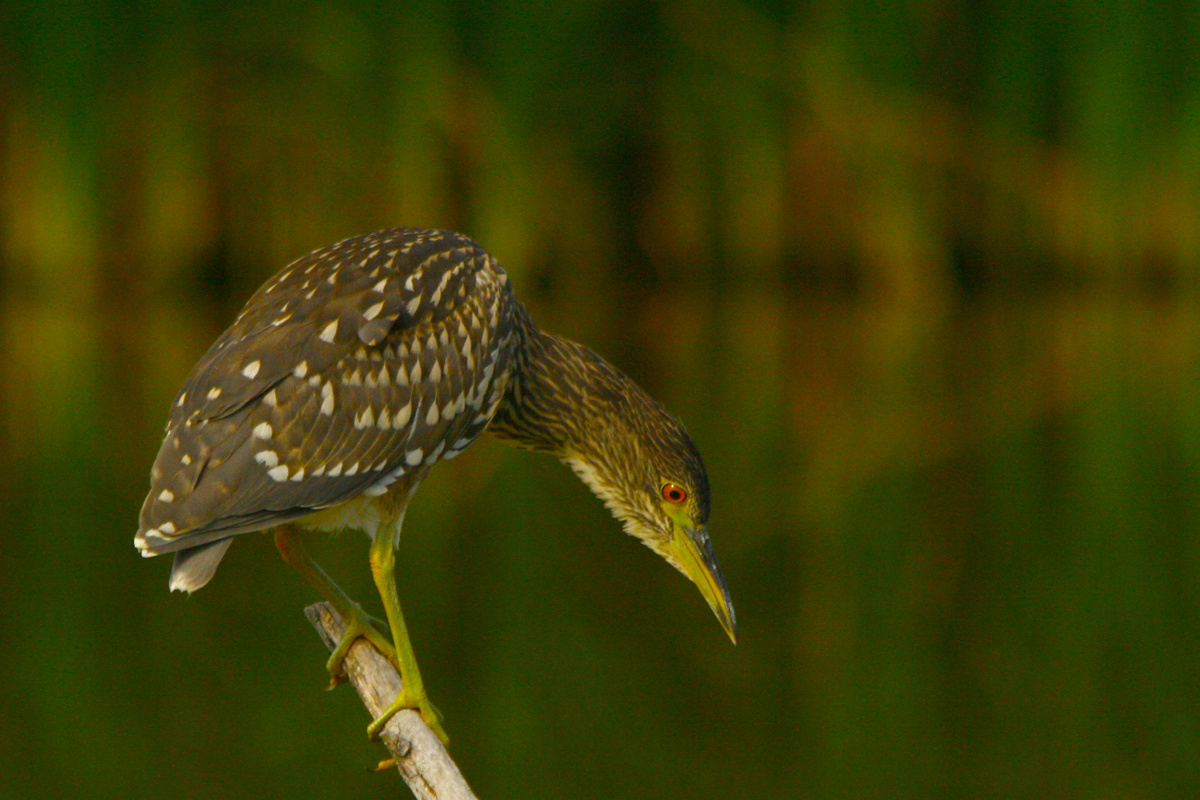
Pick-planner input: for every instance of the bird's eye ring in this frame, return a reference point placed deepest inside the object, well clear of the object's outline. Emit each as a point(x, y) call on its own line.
point(673, 493)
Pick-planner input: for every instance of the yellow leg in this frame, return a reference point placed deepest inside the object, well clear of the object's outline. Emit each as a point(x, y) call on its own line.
point(412, 690)
point(358, 622)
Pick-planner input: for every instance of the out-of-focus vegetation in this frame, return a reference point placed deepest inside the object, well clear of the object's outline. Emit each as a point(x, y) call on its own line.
point(920, 278)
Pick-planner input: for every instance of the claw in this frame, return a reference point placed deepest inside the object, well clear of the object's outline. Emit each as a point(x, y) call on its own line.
point(358, 623)
point(428, 713)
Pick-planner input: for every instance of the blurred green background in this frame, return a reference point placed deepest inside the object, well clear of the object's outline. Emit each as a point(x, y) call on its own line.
point(922, 280)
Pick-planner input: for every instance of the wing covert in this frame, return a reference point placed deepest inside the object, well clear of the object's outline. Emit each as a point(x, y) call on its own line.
point(352, 367)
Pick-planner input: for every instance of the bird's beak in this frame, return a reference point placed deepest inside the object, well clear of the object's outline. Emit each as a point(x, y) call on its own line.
point(693, 554)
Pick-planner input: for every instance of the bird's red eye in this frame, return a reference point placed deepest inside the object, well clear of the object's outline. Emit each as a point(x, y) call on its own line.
point(673, 494)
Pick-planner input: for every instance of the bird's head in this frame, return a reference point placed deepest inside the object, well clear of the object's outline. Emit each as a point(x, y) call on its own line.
point(566, 400)
point(648, 472)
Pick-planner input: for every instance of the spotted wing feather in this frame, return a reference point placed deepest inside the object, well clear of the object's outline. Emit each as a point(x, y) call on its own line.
point(354, 365)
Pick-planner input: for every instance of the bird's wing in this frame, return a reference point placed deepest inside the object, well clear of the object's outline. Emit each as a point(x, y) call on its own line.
point(351, 367)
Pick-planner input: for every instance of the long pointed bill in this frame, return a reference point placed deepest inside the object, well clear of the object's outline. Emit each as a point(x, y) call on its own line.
point(694, 556)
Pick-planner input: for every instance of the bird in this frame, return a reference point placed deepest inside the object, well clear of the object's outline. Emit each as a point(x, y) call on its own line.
point(357, 368)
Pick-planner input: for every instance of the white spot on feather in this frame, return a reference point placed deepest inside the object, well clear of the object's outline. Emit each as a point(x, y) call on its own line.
point(301, 369)
point(373, 311)
point(263, 430)
point(330, 331)
point(437, 293)
point(166, 496)
point(279, 473)
point(214, 393)
point(251, 369)
point(413, 457)
point(400, 419)
point(327, 402)
point(268, 458)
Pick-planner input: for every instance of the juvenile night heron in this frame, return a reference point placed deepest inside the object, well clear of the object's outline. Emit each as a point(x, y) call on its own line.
point(351, 373)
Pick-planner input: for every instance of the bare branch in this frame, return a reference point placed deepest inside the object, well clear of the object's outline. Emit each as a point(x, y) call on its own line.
point(422, 760)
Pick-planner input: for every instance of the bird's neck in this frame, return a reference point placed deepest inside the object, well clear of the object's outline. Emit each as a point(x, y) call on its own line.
point(566, 400)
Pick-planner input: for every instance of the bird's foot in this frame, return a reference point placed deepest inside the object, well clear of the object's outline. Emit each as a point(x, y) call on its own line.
point(358, 623)
point(422, 705)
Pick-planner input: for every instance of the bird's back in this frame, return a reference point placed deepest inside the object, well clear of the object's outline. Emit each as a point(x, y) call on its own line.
point(357, 366)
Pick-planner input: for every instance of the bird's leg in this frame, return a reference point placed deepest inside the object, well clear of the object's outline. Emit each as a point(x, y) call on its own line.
point(358, 622)
point(412, 690)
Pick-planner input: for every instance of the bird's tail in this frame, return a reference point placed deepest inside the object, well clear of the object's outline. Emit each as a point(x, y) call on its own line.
point(195, 566)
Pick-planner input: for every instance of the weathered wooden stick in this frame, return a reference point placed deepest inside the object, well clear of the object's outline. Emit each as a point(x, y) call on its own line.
point(422, 760)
